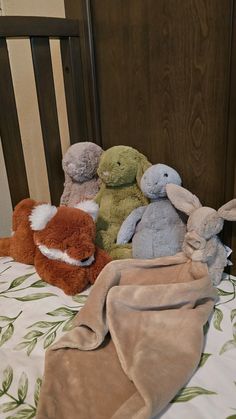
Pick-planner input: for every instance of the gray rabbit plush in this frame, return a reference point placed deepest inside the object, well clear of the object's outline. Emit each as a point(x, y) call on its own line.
point(201, 242)
point(157, 229)
point(80, 164)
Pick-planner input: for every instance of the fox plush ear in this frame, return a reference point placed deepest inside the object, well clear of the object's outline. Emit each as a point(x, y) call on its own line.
point(182, 199)
point(41, 215)
point(89, 206)
point(228, 211)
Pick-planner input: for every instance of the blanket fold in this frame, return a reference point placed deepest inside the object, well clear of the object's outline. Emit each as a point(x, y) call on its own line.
point(135, 343)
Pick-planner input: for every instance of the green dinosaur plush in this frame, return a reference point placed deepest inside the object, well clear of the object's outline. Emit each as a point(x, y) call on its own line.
point(120, 170)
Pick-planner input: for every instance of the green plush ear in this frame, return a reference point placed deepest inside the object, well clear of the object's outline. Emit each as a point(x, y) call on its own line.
point(143, 165)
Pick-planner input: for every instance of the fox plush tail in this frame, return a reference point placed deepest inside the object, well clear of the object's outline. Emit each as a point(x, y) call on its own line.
point(5, 243)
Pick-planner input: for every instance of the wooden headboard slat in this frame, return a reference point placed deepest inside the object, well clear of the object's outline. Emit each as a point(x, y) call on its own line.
point(10, 131)
point(74, 89)
point(40, 30)
point(48, 114)
point(21, 26)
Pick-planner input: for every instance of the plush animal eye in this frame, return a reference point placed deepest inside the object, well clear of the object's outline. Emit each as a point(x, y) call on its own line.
point(165, 174)
point(118, 163)
point(85, 259)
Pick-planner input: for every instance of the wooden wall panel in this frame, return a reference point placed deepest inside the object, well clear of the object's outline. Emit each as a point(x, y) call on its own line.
point(80, 9)
point(163, 74)
point(230, 173)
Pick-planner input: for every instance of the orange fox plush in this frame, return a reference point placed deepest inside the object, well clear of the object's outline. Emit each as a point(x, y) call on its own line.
point(58, 241)
point(66, 255)
point(21, 245)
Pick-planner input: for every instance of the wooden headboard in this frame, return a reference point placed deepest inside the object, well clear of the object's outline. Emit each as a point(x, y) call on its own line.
point(39, 30)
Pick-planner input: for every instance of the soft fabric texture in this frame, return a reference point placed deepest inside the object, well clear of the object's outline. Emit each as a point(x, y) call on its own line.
point(20, 246)
point(154, 311)
point(60, 242)
point(80, 164)
point(66, 255)
point(157, 229)
point(201, 243)
point(120, 170)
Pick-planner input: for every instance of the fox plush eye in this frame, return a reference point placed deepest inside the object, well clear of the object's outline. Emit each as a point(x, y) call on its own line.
point(85, 259)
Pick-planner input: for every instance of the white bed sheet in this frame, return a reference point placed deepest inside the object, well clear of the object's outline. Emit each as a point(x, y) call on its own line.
point(33, 314)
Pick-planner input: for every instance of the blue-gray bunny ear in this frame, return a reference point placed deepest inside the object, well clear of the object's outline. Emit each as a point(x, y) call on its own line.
point(228, 211)
point(182, 199)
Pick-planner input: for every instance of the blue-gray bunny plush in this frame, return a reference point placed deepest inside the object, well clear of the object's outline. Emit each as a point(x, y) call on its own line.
point(157, 229)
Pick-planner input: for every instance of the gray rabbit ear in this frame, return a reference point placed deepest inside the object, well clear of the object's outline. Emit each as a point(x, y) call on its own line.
point(228, 211)
point(182, 199)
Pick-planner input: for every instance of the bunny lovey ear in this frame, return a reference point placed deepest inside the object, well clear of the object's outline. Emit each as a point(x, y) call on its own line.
point(89, 206)
point(41, 215)
point(228, 211)
point(182, 199)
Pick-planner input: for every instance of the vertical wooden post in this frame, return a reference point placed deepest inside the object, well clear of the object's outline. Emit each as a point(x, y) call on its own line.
point(81, 9)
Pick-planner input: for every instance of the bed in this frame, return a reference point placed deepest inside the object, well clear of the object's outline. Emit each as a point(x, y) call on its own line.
point(34, 314)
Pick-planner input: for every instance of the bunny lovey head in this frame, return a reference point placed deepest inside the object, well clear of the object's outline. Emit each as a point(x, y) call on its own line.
point(201, 242)
point(205, 221)
point(121, 165)
point(154, 181)
point(81, 160)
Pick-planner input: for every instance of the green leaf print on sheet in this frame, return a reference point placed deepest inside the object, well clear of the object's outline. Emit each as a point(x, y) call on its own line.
point(232, 408)
point(230, 344)
point(223, 293)
point(233, 314)
point(206, 327)
point(218, 315)
point(204, 358)
point(17, 282)
point(2, 272)
point(7, 328)
point(217, 319)
point(7, 323)
point(22, 409)
point(46, 331)
point(189, 393)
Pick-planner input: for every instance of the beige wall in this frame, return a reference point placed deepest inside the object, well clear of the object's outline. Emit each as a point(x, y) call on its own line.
point(26, 100)
point(52, 8)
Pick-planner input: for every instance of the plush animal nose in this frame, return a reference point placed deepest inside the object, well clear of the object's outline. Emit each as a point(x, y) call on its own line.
point(105, 173)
